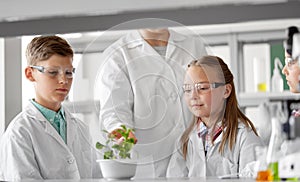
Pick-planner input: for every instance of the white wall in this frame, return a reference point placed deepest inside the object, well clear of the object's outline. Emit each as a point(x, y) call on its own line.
point(85, 76)
point(12, 78)
point(2, 89)
point(84, 90)
point(257, 66)
point(223, 52)
point(27, 86)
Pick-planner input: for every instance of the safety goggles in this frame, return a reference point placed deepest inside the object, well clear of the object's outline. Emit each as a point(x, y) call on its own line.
point(55, 71)
point(200, 88)
point(289, 62)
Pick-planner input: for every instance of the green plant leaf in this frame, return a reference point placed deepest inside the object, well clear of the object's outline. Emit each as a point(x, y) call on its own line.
point(128, 146)
point(108, 154)
point(99, 145)
point(116, 146)
point(114, 150)
point(130, 140)
point(105, 131)
point(124, 127)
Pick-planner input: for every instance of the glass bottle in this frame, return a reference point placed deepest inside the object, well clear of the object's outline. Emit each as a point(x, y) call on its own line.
point(274, 152)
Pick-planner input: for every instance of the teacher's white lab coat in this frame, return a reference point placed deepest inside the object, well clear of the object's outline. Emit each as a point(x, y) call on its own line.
point(31, 148)
point(215, 164)
point(141, 89)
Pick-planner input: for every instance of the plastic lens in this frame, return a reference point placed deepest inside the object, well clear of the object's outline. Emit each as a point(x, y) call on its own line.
point(200, 87)
point(53, 72)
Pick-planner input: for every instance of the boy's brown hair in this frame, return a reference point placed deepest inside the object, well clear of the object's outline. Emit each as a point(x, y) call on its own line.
point(43, 47)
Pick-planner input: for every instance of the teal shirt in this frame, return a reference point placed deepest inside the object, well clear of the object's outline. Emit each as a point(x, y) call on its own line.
point(57, 119)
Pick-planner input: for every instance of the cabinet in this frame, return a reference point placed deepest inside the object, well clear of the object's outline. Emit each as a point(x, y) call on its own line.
point(254, 99)
point(232, 36)
point(271, 33)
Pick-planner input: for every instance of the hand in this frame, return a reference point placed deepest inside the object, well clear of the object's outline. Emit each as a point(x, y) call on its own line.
point(118, 136)
point(296, 113)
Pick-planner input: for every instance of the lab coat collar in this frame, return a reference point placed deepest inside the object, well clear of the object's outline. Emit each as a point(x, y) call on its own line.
point(219, 138)
point(36, 115)
point(71, 127)
point(177, 37)
point(134, 39)
point(215, 146)
point(137, 40)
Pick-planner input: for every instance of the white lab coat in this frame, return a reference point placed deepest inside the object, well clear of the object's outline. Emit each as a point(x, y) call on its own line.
point(141, 89)
point(31, 148)
point(214, 164)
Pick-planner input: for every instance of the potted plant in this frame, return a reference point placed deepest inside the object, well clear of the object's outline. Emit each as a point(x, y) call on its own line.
point(116, 162)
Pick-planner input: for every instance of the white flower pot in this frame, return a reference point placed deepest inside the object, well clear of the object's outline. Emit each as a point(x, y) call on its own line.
point(117, 168)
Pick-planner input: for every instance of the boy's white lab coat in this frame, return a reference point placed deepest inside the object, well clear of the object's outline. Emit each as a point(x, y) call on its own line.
point(32, 148)
point(139, 88)
point(214, 164)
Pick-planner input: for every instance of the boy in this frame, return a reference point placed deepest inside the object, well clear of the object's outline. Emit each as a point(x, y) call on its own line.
point(45, 141)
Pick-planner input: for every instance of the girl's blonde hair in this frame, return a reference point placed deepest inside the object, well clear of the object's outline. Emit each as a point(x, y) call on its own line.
point(232, 113)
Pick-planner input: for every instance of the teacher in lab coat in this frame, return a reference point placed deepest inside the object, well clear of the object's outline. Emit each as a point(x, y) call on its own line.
point(140, 86)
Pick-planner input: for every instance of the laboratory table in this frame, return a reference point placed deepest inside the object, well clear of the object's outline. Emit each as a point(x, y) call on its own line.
point(151, 180)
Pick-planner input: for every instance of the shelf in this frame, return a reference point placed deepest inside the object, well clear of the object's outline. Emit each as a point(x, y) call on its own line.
point(245, 100)
point(256, 98)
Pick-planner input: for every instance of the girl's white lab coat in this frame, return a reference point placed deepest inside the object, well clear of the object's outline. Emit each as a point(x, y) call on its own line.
point(32, 148)
point(140, 88)
point(214, 164)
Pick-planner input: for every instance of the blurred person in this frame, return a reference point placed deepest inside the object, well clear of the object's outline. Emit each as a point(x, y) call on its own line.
point(291, 69)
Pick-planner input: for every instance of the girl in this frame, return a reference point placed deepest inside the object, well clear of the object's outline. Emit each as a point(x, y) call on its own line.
point(221, 139)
